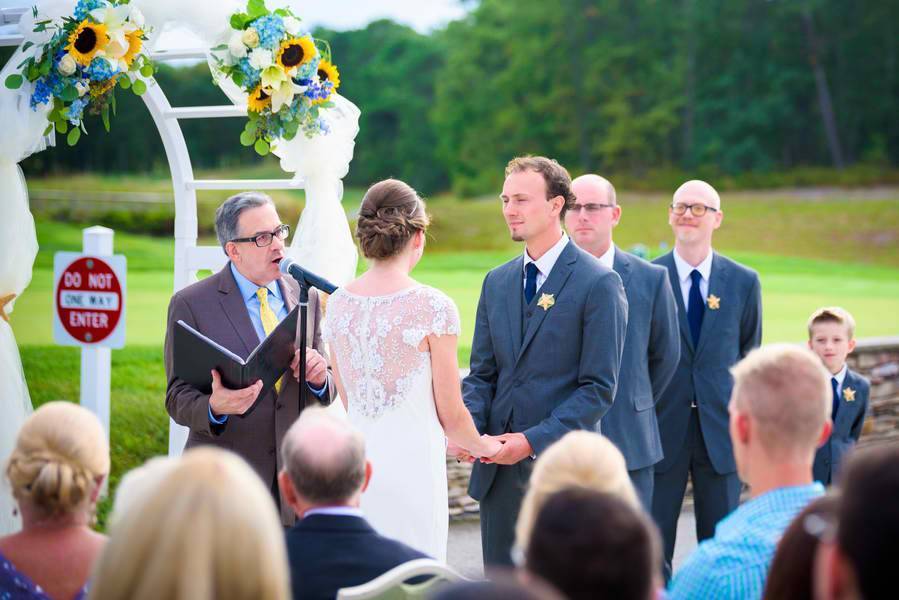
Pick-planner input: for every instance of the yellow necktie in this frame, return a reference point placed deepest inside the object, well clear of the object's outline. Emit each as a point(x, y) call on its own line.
point(269, 321)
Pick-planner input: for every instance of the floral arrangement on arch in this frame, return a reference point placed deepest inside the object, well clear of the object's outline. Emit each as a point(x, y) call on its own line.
point(88, 53)
point(287, 75)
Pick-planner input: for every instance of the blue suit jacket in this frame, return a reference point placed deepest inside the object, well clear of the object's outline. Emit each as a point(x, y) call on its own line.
point(703, 373)
point(651, 354)
point(846, 428)
point(329, 552)
point(557, 374)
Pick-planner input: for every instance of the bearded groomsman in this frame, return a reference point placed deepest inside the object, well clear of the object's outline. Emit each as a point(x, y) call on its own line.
point(720, 307)
point(652, 341)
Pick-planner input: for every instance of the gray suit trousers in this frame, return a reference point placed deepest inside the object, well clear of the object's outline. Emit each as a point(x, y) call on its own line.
point(499, 512)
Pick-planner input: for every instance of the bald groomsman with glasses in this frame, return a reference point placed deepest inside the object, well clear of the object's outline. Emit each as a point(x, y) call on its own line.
point(720, 319)
point(238, 307)
point(652, 340)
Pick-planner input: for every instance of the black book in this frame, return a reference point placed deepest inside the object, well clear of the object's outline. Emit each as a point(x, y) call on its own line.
point(196, 355)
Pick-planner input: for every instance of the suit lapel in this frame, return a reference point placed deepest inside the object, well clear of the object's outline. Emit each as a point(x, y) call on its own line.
point(553, 285)
point(515, 284)
point(668, 261)
point(717, 287)
point(847, 409)
point(622, 266)
point(235, 309)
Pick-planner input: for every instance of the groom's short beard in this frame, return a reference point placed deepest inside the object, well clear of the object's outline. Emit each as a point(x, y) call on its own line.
point(517, 238)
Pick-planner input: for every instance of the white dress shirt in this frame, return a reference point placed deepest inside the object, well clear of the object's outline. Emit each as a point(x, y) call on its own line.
point(546, 262)
point(683, 275)
point(608, 258)
point(343, 511)
point(840, 377)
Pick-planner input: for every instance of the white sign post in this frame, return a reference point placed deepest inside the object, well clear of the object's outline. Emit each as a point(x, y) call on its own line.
point(89, 295)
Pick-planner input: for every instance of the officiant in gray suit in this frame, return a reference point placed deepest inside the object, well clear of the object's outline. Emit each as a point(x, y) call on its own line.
point(652, 342)
point(720, 316)
point(547, 346)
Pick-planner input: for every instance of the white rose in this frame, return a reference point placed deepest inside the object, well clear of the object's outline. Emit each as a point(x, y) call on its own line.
point(250, 37)
point(136, 17)
point(292, 25)
point(236, 46)
point(82, 87)
point(260, 58)
point(67, 65)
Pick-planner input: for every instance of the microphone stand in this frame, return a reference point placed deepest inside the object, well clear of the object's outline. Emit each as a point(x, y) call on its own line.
point(304, 306)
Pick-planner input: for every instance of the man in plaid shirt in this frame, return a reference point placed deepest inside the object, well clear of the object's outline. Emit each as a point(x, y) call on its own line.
point(779, 415)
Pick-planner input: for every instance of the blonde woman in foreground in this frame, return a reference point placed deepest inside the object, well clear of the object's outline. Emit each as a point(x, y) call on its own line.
point(56, 471)
point(581, 459)
point(208, 530)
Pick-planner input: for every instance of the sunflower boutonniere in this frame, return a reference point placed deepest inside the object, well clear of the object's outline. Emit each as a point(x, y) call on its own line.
point(714, 302)
point(849, 394)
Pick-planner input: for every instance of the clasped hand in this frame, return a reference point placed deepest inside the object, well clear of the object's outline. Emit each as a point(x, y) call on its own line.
point(513, 448)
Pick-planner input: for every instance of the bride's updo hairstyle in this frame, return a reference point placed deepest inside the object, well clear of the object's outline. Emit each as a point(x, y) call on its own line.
point(60, 452)
point(391, 213)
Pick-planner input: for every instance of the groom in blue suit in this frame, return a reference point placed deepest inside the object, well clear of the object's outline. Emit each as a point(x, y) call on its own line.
point(547, 346)
point(720, 314)
point(652, 342)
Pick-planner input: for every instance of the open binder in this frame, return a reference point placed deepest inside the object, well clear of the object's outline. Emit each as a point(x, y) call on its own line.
point(195, 355)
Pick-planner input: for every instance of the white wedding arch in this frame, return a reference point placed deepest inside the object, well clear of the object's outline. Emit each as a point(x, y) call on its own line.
point(322, 241)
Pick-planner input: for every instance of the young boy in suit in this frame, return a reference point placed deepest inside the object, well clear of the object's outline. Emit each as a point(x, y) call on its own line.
point(831, 335)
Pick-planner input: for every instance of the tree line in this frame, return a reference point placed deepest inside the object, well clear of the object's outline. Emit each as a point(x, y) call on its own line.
point(632, 87)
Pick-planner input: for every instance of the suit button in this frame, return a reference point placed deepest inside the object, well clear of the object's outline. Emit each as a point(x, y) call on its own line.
point(271, 452)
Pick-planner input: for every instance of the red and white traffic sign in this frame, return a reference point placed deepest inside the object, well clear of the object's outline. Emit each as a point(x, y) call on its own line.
point(89, 294)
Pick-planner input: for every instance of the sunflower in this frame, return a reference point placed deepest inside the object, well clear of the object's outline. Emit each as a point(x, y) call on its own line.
point(295, 52)
point(87, 39)
point(135, 43)
point(258, 100)
point(328, 72)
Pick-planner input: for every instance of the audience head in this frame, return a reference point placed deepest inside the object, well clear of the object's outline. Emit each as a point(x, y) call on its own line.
point(579, 459)
point(594, 545)
point(502, 585)
point(695, 213)
point(593, 215)
point(779, 409)
point(536, 194)
point(251, 233)
point(207, 530)
point(324, 462)
point(392, 217)
point(859, 563)
point(790, 575)
point(831, 335)
point(139, 483)
point(58, 464)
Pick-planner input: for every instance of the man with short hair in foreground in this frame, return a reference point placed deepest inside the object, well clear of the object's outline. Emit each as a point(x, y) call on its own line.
point(779, 415)
point(332, 546)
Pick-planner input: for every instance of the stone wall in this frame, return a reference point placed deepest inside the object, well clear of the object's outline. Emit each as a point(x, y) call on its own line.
point(875, 358)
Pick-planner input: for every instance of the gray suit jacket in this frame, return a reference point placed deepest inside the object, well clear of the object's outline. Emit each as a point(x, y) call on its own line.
point(214, 307)
point(727, 335)
point(651, 354)
point(558, 372)
point(847, 428)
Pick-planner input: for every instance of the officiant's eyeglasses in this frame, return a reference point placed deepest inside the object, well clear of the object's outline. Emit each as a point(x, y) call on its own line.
point(265, 239)
point(591, 207)
point(697, 210)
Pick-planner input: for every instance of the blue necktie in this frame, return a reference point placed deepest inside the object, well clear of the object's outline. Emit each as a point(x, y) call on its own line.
point(530, 282)
point(836, 399)
point(695, 306)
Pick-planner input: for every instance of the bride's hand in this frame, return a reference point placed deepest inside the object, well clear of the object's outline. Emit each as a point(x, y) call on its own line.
point(490, 446)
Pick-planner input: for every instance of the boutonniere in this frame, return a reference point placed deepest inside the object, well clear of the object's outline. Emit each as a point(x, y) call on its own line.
point(4, 300)
point(546, 301)
point(714, 302)
point(849, 394)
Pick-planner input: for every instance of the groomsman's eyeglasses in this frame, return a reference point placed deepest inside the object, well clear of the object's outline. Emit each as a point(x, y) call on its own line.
point(697, 210)
point(591, 208)
point(265, 239)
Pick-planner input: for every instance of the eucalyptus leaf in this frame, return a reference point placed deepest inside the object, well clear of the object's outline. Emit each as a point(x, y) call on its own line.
point(147, 70)
point(104, 114)
point(139, 87)
point(69, 93)
point(14, 81)
point(124, 82)
point(48, 129)
point(73, 137)
point(62, 126)
point(261, 147)
point(247, 138)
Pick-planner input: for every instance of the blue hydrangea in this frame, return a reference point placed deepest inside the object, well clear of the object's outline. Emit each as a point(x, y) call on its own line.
point(85, 6)
point(41, 93)
point(100, 70)
point(251, 76)
point(270, 29)
point(75, 109)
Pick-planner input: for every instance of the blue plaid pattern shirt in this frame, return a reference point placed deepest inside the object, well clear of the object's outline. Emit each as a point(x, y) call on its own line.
point(734, 563)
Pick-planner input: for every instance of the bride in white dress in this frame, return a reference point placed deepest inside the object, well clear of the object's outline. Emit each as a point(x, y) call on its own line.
point(393, 348)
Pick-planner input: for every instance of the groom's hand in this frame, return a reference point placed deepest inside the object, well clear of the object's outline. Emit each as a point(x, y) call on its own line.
point(516, 447)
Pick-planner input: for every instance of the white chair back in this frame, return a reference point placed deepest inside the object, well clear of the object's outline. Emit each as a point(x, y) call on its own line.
point(391, 585)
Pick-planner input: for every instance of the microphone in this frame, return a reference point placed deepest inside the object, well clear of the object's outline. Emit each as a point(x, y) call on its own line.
point(289, 266)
